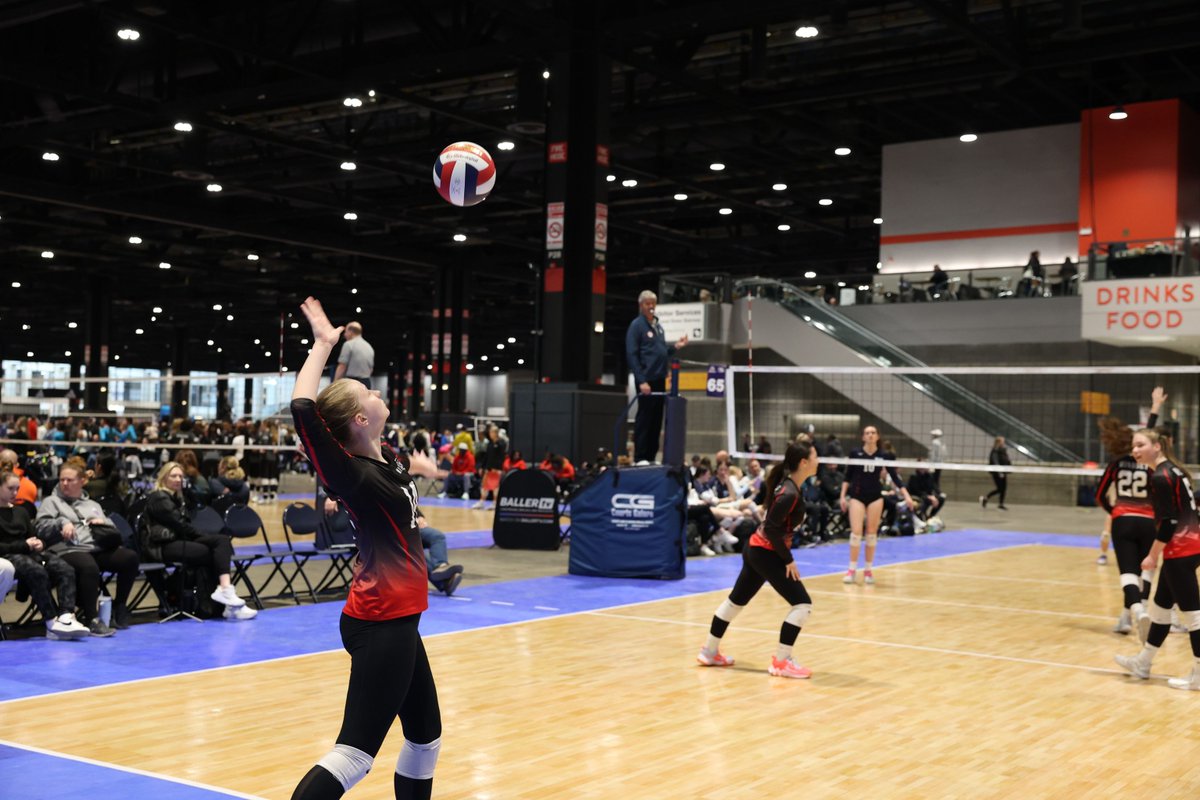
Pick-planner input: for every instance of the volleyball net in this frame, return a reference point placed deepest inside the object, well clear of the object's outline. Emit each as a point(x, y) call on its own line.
point(1047, 415)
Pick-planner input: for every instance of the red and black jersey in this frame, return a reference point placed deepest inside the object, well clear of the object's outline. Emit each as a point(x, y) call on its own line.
point(1129, 482)
point(1175, 505)
point(785, 515)
point(381, 498)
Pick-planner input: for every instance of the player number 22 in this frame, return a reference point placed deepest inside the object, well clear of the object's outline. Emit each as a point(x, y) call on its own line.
point(1131, 483)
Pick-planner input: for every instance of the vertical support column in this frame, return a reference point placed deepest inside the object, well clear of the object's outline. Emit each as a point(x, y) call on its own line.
point(459, 315)
point(416, 362)
point(96, 330)
point(577, 164)
point(247, 396)
point(179, 366)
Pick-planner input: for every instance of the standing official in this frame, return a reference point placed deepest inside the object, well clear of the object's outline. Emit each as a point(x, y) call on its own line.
point(357, 359)
point(648, 356)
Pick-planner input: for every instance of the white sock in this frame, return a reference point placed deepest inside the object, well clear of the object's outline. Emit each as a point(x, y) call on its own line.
point(712, 645)
point(867, 567)
point(783, 652)
point(1148, 653)
point(853, 566)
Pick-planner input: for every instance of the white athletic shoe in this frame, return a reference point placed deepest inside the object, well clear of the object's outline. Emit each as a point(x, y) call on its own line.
point(65, 628)
point(848, 577)
point(705, 550)
point(1191, 682)
point(238, 613)
point(1134, 665)
point(1124, 624)
point(226, 595)
point(1102, 560)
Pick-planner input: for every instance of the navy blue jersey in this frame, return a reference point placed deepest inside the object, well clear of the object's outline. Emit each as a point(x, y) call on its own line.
point(864, 481)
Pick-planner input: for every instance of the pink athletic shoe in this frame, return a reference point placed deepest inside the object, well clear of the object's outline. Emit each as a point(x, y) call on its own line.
point(788, 669)
point(715, 660)
point(868, 577)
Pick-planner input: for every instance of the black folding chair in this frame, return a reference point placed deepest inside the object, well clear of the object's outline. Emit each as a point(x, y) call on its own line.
point(299, 519)
point(335, 536)
point(151, 571)
point(243, 522)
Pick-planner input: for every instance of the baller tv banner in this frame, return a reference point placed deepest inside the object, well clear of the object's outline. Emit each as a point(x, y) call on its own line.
point(1139, 311)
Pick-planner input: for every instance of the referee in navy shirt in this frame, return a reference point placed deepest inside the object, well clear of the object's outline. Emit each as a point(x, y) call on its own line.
point(648, 355)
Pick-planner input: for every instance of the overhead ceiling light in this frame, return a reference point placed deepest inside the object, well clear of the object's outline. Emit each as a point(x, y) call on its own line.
point(470, 366)
point(370, 93)
point(825, 201)
point(139, 331)
point(810, 274)
point(29, 354)
point(725, 211)
point(779, 187)
point(252, 256)
point(295, 325)
point(229, 317)
point(968, 137)
point(267, 354)
point(157, 309)
point(358, 309)
point(17, 285)
point(783, 226)
point(217, 306)
point(117, 357)
point(716, 166)
point(153, 318)
point(878, 220)
point(499, 345)
point(350, 216)
point(135, 240)
point(214, 187)
point(354, 290)
point(460, 237)
point(25, 327)
point(680, 196)
point(546, 74)
point(807, 31)
point(598, 326)
point(610, 178)
point(483, 358)
point(47, 254)
point(211, 342)
point(512, 340)
point(520, 361)
point(349, 166)
point(495, 369)
point(1118, 113)
point(49, 156)
point(841, 151)
point(245, 366)
point(629, 183)
point(129, 34)
point(183, 127)
point(72, 325)
point(304, 340)
point(505, 145)
point(352, 102)
point(841, 284)
point(67, 353)
point(164, 265)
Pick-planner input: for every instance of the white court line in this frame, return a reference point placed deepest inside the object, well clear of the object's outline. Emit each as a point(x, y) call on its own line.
point(954, 604)
point(205, 670)
point(897, 645)
point(546, 608)
point(131, 770)
point(942, 573)
point(501, 603)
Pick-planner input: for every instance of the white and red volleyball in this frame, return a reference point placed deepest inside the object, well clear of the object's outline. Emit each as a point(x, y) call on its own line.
point(464, 174)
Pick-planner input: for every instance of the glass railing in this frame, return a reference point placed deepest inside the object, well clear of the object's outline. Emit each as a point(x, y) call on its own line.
point(1143, 258)
point(952, 396)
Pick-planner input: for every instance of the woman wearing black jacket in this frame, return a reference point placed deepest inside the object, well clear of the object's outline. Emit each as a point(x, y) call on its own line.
point(998, 457)
point(168, 535)
point(493, 464)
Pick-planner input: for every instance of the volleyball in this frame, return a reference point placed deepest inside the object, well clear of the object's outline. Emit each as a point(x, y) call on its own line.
point(464, 174)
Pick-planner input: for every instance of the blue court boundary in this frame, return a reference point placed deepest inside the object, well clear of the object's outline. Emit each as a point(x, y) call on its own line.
point(37, 667)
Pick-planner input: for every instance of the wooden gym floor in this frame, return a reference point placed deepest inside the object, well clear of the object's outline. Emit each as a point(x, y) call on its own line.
point(979, 666)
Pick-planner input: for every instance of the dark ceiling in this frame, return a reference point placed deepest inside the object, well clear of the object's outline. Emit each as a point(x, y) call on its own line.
point(264, 86)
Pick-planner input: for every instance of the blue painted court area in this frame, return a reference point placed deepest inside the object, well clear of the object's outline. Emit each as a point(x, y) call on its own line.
point(31, 775)
point(36, 666)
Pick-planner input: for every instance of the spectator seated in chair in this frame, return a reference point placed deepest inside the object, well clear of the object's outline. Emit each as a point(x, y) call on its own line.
point(923, 488)
point(230, 481)
point(561, 469)
point(514, 461)
point(462, 469)
point(196, 491)
point(444, 576)
point(76, 529)
point(24, 557)
point(168, 535)
point(28, 493)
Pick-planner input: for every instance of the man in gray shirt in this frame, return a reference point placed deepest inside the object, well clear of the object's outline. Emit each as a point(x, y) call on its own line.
point(357, 359)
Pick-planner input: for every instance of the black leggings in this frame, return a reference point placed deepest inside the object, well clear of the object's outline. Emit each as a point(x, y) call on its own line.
point(1001, 489)
point(35, 572)
point(212, 550)
point(759, 566)
point(1132, 537)
point(1176, 586)
point(88, 566)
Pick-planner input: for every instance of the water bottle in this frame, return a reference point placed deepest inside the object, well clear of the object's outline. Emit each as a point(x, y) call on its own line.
point(105, 612)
